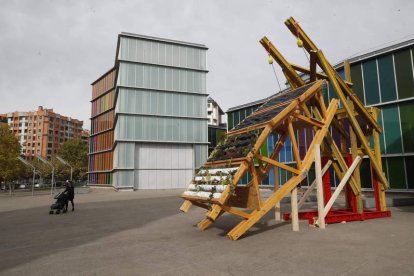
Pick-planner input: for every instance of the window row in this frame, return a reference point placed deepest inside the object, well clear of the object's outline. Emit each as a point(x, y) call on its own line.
point(103, 122)
point(235, 117)
point(382, 79)
point(100, 178)
point(101, 161)
point(103, 104)
point(161, 103)
point(100, 142)
point(107, 82)
point(142, 128)
point(133, 49)
point(161, 78)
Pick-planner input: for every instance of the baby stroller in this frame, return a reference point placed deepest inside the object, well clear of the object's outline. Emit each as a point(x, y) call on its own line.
point(61, 202)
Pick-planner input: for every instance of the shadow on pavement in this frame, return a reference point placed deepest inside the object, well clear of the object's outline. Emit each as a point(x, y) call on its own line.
point(32, 233)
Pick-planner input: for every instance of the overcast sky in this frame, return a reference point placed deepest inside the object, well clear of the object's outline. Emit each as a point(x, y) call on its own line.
point(51, 51)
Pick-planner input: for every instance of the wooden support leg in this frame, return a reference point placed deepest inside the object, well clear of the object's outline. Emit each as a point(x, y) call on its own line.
point(278, 216)
point(294, 209)
point(319, 187)
point(185, 206)
point(205, 223)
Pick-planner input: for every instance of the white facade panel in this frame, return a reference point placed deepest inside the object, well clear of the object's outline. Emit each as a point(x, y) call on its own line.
point(163, 166)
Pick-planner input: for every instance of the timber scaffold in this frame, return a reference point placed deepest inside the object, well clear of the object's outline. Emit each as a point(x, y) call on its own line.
point(216, 186)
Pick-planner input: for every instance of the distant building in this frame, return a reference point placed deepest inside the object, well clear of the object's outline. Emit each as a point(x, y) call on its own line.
point(41, 132)
point(149, 115)
point(214, 112)
point(85, 133)
point(215, 135)
point(3, 120)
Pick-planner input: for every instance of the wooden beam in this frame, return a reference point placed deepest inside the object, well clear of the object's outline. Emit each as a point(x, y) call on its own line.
point(341, 186)
point(236, 212)
point(256, 183)
point(318, 75)
point(377, 153)
point(313, 185)
point(278, 164)
point(294, 209)
point(354, 123)
point(278, 215)
point(286, 67)
point(297, 31)
point(310, 121)
point(185, 206)
point(319, 186)
point(295, 149)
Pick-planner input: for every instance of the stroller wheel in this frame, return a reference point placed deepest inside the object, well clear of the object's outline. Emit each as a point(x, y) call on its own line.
point(57, 212)
point(64, 211)
point(50, 212)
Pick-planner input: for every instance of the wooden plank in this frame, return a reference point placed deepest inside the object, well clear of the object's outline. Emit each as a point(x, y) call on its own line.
point(278, 164)
point(294, 209)
point(236, 212)
point(309, 71)
point(227, 162)
point(185, 206)
point(319, 187)
point(312, 186)
point(278, 215)
point(377, 153)
point(310, 121)
point(354, 146)
point(286, 67)
point(243, 226)
point(341, 186)
point(256, 182)
point(295, 149)
point(352, 119)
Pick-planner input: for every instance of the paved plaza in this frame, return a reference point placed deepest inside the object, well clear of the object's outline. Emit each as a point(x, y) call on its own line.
point(143, 233)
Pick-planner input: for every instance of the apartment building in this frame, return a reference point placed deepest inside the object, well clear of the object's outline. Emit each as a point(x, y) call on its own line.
point(41, 132)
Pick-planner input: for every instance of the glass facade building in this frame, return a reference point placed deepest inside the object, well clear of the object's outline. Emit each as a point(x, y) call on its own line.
point(384, 79)
point(149, 115)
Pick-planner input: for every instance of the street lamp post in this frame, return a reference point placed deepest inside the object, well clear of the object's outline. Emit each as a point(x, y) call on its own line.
point(24, 161)
point(53, 170)
point(64, 162)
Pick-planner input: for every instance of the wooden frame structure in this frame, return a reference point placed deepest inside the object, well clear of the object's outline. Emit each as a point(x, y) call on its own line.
point(216, 186)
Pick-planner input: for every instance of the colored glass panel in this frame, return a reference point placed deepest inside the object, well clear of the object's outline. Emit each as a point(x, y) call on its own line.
point(371, 82)
point(365, 174)
point(382, 136)
point(387, 79)
point(409, 167)
point(392, 129)
point(356, 77)
point(104, 84)
point(404, 74)
point(230, 119)
point(396, 172)
point(407, 126)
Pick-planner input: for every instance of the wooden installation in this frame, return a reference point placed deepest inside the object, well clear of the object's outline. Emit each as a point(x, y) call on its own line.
point(216, 186)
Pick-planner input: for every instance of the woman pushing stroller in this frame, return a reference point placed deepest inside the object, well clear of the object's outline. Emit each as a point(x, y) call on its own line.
point(70, 191)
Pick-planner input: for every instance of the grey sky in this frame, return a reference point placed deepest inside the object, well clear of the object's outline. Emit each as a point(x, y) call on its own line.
point(52, 50)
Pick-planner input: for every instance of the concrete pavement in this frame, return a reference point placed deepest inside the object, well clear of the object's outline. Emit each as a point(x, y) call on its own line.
point(143, 233)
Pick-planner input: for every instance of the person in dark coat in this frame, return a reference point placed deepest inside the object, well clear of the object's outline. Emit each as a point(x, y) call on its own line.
point(70, 190)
